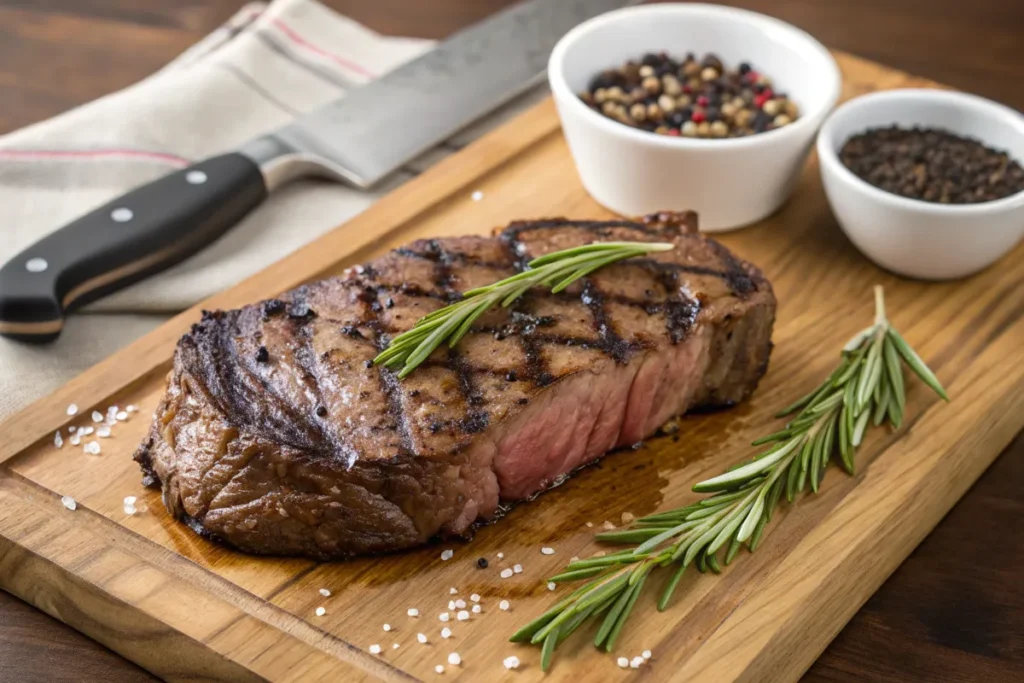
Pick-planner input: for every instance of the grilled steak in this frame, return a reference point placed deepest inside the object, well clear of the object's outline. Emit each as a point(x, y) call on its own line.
point(278, 435)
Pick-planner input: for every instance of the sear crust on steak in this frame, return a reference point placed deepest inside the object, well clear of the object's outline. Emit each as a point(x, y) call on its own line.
point(279, 436)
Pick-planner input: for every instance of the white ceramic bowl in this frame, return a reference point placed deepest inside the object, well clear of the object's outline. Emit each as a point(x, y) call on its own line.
point(910, 236)
point(730, 182)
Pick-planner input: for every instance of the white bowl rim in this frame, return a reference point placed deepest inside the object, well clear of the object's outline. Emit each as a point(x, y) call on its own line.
point(978, 106)
point(808, 119)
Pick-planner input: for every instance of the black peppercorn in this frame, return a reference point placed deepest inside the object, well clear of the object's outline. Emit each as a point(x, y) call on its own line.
point(321, 411)
point(744, 68)
point(262, 355)
point(482, 563)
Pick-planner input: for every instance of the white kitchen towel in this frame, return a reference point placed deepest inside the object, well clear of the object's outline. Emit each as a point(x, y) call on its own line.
point(267, 65)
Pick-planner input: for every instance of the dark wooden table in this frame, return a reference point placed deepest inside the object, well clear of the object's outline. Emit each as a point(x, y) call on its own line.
point(954, 611)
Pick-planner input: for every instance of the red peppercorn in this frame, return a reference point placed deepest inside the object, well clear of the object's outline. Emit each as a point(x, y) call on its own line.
point(751, 76)
point(688, 89)
point(763, 97)
point(702, 101)
point(698, 117)
point(673, 132)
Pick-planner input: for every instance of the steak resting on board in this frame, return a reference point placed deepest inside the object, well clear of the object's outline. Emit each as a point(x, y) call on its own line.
point(279, 436)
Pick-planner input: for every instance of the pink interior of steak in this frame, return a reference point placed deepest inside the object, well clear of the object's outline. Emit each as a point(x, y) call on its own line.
point(593, 413)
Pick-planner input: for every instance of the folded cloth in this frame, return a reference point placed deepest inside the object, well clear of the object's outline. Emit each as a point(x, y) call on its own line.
point(267, 65)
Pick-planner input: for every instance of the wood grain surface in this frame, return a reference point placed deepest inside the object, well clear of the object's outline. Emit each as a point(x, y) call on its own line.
point(945, 614)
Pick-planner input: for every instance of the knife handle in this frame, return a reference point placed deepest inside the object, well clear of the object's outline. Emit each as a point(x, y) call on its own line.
point(140, 233)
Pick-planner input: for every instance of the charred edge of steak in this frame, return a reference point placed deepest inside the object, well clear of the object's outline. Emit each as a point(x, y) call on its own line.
point(144, 456)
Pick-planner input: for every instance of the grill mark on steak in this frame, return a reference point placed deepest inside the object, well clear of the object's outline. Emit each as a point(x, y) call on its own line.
point(389, 382)
point(535, 368)
point(229, 379)
point(475, 418)
point(681, 311)
point(611, 343)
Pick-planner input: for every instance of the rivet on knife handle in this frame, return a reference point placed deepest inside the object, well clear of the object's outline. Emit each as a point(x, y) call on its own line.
point(137, 234)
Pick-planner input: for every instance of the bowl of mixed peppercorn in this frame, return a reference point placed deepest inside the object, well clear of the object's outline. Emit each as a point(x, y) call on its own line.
point(927, 183)
point(691, 106)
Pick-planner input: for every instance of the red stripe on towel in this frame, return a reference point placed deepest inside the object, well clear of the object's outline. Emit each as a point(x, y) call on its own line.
point(93, 154)
point(338, 59)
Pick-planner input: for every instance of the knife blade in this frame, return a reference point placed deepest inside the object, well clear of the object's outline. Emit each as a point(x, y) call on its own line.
point(358, 139)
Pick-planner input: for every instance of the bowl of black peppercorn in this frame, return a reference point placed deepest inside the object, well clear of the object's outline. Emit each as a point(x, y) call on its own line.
point(926, 183)
point(680, 106)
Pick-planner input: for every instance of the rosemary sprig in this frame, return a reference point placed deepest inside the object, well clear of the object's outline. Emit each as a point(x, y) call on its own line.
point(829, 421)
point(557, 270)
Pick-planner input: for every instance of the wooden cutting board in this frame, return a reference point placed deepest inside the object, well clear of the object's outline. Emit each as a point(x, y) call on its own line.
point(186, 609)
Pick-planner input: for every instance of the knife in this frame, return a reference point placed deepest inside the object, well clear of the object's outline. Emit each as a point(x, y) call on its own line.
point(357, 139)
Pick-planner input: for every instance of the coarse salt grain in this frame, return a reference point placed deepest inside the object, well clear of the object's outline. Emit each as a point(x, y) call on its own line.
point(75, 439)
point(413, 612)
point(446, 632)
point(477, 609)
point(547, 551)
point(92, 448)
point(86, 431)
point(439, 669)
point(636, 662)
point(504, 605)
point(454, 659)
point(622, 662)
point(474, 597)
point(72, 409)
point(460, 603)
point(607, 525)
point(590, 525)
point(121, 416)
point(447, 555)
point(69, 502)
point(72, 429)
point(375, 649)
point(511, 662)
point(395, 646)
point(324, 592)
point(551, 585)
point(501, 556)
point(444, 616)
point(574, 558)
point(477, 196)
point(451, 604)
point(518, 568)
point(58, 440)
point(131, 408)
point(453, 590)
point(320, 611)
point(103, 432)
point(628, 517)
point(646, 654)
point(506, 573)
point(387, 627)
point(463, 615)
point(97, 416)
point(129, 505)
point(421, 637)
